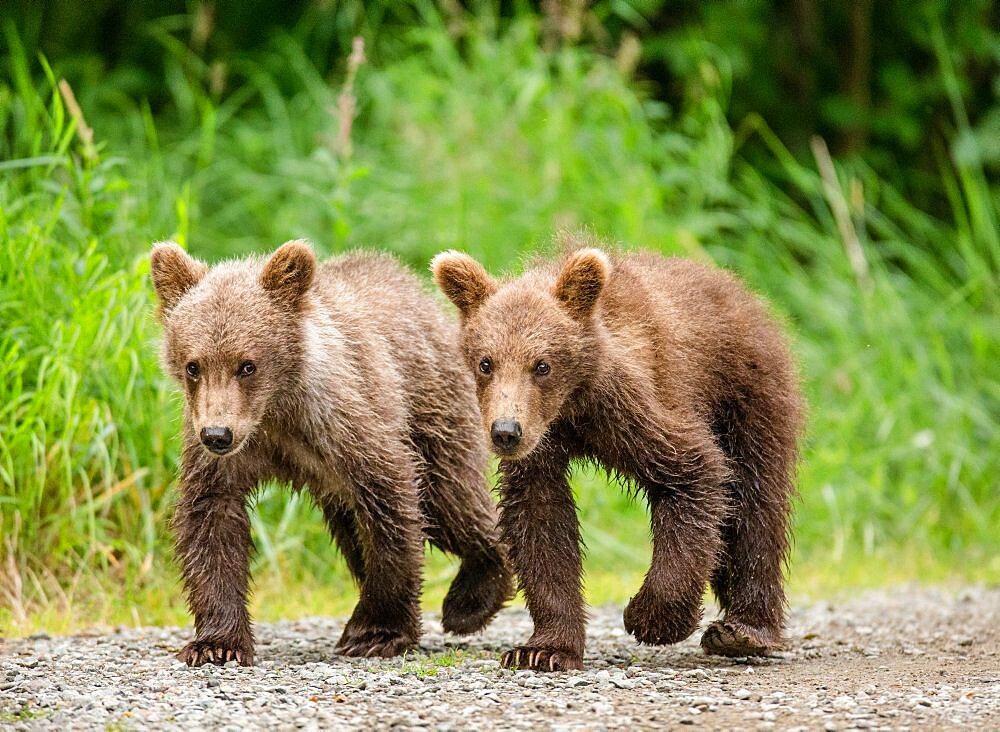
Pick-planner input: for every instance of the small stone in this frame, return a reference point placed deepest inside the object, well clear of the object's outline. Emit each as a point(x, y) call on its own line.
point(742, 694)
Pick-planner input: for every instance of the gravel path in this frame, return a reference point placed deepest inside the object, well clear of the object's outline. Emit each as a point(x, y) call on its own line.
point(907, 658)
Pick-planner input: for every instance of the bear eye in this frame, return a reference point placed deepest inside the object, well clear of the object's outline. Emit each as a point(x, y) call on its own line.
point(247, 368)
point(542, 369)
point(486, 366)
point(192, 370)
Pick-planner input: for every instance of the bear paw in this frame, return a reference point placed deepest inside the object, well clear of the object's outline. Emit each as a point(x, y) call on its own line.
point(478, 592)
point(659, 622)
point(198, 653)
point(374, 643)
point(535, 658)
point(735, 639)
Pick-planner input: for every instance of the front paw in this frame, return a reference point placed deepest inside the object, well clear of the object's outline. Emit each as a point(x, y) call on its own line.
point(536, 658)
point(374, 642)
point(198, 653)
point(656, 621)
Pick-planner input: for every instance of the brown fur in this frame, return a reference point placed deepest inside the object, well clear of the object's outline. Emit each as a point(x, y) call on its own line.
point(676, 379)
point(358, 395)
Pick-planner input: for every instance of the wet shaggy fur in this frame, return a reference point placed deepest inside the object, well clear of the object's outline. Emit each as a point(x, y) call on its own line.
point(356, 392)
point(676, 380)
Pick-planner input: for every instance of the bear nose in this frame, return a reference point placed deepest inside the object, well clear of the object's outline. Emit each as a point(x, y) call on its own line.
point(217, 439)
point(506, 433)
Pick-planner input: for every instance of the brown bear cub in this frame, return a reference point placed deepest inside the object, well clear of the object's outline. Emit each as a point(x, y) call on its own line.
point(342, 378)
point(675, 379)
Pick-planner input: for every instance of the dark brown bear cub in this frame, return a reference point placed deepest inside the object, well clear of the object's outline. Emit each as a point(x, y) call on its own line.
point(673, 377)
point(342, 378)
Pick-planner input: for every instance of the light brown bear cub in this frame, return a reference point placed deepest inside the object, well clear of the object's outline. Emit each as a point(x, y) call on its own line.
point(343, 378)
point(676, 379)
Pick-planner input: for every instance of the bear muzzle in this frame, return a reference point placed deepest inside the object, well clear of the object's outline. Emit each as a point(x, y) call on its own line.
point(217, 439)
point(506, 435)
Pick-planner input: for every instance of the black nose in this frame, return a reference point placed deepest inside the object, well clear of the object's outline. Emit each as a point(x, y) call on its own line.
point(217, 439)
point(506, 433)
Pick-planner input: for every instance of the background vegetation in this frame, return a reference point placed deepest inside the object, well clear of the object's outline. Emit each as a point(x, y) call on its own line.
point(696, 129)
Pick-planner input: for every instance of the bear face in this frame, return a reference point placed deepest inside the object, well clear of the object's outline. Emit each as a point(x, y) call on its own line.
point(530, 343)
point(232, 338)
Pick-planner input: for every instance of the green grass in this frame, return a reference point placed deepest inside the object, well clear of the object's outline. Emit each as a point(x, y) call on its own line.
point(24, 714)
point(484, 143)
point(424, 666)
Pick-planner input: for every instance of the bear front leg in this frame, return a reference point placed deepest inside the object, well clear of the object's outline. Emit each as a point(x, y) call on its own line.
point(386, 620)
point(213, 544)
point(539, 524)
point(684, 482)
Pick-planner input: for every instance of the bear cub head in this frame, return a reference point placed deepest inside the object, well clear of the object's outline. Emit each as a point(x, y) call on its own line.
point(232, 336)
point(531, 342)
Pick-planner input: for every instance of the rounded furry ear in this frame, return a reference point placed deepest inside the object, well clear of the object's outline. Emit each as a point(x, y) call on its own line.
point(288, 274)
point(463, 280)
point(581, 281)
point(174, 272)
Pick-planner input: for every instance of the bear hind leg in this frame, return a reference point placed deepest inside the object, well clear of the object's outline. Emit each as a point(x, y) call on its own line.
point(341, 522)
point(461, 519)
point(749, 581)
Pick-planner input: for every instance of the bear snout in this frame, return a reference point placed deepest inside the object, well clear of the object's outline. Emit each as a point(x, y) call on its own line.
point(506, 435)
point(217, 439)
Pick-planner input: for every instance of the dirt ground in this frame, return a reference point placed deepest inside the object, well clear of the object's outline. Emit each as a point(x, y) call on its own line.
point(905, 658)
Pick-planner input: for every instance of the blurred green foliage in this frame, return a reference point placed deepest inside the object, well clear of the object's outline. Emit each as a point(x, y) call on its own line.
point(485, 131)
point(862, 74)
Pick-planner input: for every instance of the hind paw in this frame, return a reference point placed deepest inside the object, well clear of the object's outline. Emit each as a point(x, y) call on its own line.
point(374, 642)
point(475, 596)
point(735, 639)
point(657, 622)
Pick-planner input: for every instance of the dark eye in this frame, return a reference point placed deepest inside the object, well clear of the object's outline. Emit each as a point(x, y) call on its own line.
point(542, 369)
point(247, 368)
point(486, 366)
point(192, 370)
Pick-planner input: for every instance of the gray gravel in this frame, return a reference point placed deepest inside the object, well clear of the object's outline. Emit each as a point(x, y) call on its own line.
point(910, 658)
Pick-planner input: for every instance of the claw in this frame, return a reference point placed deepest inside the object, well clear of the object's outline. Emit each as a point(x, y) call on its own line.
point(552, 662)
point(239, 658)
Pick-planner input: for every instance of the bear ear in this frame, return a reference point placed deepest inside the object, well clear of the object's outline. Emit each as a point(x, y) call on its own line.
point(288, 274)
point(581, 281)
point(463, 280)
point(174, 272)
